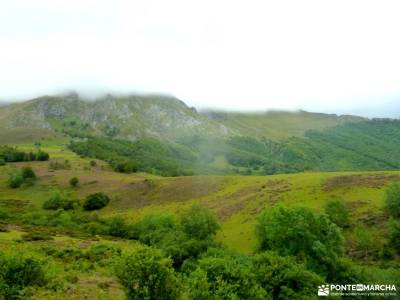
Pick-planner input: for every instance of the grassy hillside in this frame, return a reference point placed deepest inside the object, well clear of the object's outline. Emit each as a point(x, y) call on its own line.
point(278, 124)
point(82, 259)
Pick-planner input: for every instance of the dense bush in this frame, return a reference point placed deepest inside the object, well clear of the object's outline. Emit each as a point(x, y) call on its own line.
point(284, 278)
point(147, 274)
point(224, 276)
point(96, 201)
point(299, 232)
point(74, 182)
point(394, 234)
point(199, 223)
point(28, 173)
point(12, 154)
point(15, 180)
point(17, 272)
point(337, 213)
point(59, 201)
point(392, 199)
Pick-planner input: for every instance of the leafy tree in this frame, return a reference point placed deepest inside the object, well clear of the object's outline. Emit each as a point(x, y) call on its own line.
point(42, 156)
point(147, 274)
point(392, 199)
point(337, 213)
point(96, 201)
point(74, 182)
point(284, 278)
point(199, 223)
point(299, 232)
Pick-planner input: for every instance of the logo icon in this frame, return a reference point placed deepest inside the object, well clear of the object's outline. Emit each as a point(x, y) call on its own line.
point(323, 290)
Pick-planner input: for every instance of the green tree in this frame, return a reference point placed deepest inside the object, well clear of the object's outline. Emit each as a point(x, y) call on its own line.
point(147, 274)
point(392, 199)
point(96, 201)
point(300, 232)
point(337, 213)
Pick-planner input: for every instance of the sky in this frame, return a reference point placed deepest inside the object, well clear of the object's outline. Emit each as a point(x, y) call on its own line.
point(327, 56)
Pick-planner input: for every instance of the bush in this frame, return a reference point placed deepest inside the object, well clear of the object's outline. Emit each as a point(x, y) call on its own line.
point(96, 201)
point(74, 182)
point(284, 278)
point(147, 274)
point(58, 201)
point(394, 234)
point(28, 173)
point(2, 162)
point(15, 180)
point(42, 156)
point(301, 233)
point(36, 236)
point(392, 199)
point(199, 223)
point(18, 271)
point(224, 277)
point(337, 213)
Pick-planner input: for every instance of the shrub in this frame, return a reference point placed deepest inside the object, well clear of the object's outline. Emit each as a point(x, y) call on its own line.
point(93, 163)
point(199, 223)
point(337, 213)
point(394, 234)
point(74, 182)
point(15, 180)
point(37, 236)
point(284, 278)
point(392, 199)
point(2, 161)
point(18, 271)
point(28, 173)
point(147, 274)
point(58, 201)
point(96, 201)
point(224, 277)
point(299, 232)
point(42, 156)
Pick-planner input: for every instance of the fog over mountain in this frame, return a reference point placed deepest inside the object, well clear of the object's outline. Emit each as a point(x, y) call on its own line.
point(231, 55)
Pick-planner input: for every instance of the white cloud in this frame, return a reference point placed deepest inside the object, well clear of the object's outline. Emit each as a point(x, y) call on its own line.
point(319, 55)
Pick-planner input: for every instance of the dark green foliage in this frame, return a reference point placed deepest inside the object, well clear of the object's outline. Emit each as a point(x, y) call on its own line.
point(392, 199)
point(299, 232)
point(28, 173)
point(199, 223)
point(337, 213)
point(59, 201)
point(37, 236)
point(394, 233)
point(12, 154)
point(15, 180)
point(2, 162)
point(148, 155)
point(17, 272)
point(182, 238)
point(284, 278)
point(74, 182)
point(96, 201)
point(224, 276)
point(147, 274)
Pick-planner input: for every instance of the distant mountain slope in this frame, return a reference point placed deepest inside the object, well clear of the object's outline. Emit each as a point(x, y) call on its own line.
point(129, 117)
point(278, 124)
point(162, 117)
